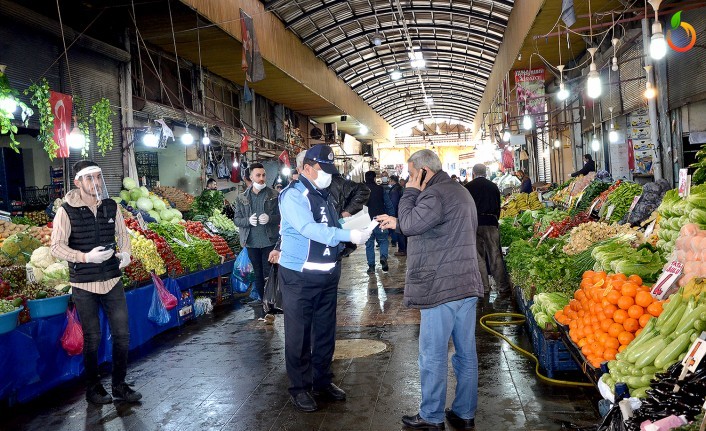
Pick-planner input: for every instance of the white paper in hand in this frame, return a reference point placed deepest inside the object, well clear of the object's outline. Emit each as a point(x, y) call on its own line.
point(359, 220)
point(373, 224)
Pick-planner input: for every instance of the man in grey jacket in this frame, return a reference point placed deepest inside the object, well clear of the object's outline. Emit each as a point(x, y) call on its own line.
point(439, 218)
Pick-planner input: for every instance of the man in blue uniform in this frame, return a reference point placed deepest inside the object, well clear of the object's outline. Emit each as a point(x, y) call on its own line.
point(309, 272)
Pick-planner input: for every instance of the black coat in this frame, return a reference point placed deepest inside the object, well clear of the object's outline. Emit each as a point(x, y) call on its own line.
point(589, 166)
point(486, 195)
point(348, 196)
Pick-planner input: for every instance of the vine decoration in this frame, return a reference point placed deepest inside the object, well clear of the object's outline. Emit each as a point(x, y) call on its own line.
point(100, 117)
point(6, 117)
point(40, 93)
point(83, 124)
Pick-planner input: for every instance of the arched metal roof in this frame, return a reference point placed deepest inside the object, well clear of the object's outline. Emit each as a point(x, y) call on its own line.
point(458, 38)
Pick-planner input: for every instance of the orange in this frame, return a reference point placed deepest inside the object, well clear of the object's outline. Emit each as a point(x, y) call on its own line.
point(609, 310)
point(629, 289)
point(655, 308)
point(635, 311)
point(609, 354)
point(631, 325)
point(588, 274)
point(601, 337)
point(625, 338)
point(635, 279)
point(582, 342)
point(615, 330)
point(586, 350)
point(622, 347)
point(638, 332)
point(619, 316)
point(597, 349)
point(625, 302)
point(605, 324)
point(585, 283)
point(580, 294)
point(574, 304)
point(611, 343)
point(620, 276)
point(643, 299)
point(613, 296)
point(572, 315)
point(644, 319)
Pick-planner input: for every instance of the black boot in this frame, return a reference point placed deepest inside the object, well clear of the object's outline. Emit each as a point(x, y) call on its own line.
point(96, 394)
point(124, 392)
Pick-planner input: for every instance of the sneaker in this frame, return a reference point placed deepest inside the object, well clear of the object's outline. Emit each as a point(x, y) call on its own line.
point(97, 394)
point(124, 392)
point(371, 269)
point(383, 263)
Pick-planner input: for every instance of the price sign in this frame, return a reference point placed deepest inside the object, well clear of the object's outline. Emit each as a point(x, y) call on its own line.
point(684, 182)
point(593, 205)
point(609, 212)
point(667, 280)
point(546, 234)
point(634, 203)
point(650, 228)
point(697, 351)
point(141, 222)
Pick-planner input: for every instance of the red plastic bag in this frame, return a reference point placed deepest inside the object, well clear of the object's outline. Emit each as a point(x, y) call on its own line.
point(170, 301)
point(72, 340)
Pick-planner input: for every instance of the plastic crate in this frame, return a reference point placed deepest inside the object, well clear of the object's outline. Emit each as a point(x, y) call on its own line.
point(552, 353)
point(39, 308)
point(185, 308)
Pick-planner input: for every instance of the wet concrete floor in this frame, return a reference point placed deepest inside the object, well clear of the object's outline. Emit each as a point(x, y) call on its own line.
point(226, 372)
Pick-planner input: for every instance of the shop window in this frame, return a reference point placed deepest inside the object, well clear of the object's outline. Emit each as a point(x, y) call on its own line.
point(157, 79)
point(222, 101)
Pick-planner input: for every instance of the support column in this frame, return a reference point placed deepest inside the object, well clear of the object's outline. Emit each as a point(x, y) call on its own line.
point(652, 103)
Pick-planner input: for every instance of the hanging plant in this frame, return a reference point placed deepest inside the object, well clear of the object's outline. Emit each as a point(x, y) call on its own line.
point(9, 102)
point(83, 123)
point(100, 117)
point(40, 99)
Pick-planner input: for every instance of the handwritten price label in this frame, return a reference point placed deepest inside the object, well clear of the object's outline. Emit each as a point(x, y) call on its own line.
point(664, 284)
point(546, 234)
point(609, 212)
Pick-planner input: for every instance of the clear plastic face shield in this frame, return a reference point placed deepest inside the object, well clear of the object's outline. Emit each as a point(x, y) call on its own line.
point(90, 181)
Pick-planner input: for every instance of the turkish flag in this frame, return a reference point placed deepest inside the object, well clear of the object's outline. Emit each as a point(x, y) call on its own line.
point(61, 108)
point(244, 142)
point(284, 158)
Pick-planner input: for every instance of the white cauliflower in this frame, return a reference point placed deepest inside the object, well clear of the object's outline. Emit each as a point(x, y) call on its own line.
point(42, 258)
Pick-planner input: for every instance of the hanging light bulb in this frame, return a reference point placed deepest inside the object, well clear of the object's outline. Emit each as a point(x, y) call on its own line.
point(363, 129)
point(557, 143)
point(658, 46)
point(395, 75)
point(235, 163)
point(506, 134)
point(286, 171)
point(76, 138)
point(615, 41)
point(187, 138)
point(563, 93)
point(613, 134)
point(527, 121)
point(149, 139)
point(8, 104)
point(650, 91)
point(416, 59)
point(420, 125)
point(378, 38)
point(595, 144)
point(206, 140)
point(593, 83)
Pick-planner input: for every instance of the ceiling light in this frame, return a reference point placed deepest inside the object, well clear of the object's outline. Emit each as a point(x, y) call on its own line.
point(363, 129)
point(615, 42)
point(205, 140)
point(378, 38)
point(149, 139)
point(8, 104)
point(235, 163)
point(76, 138)
point(420, 125)
point(527, 121)
point(428, 101)
point(395, 75)
point(187, 138)
point(658, 46)
point(595, 144)
point(416, 59)
point(286, 171)
point(613, 134)
point(563, 93)
point(506, 134)
point(650, 91)
point(593, 83)
point(557, 143)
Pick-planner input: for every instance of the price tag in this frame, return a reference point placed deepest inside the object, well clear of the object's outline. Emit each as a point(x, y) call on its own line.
point(571, 200)
point(546, 234)
point(609, 212)
point(593, 205)
point(650, 228)
point(667, 280)
point(141, 222)
point(579, 198)
point(697, 351)
point(634, 203)
point(684, 182)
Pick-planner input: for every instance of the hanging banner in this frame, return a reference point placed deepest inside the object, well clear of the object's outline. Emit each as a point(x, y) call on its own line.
point(284, 158)
point(61, 108)
point(530, 87)
point(251, 60)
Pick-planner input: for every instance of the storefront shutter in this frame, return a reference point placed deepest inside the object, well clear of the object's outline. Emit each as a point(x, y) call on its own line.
point(632, 77)
point(687, 82)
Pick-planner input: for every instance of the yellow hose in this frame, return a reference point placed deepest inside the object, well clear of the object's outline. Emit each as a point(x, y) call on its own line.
point(486, 324)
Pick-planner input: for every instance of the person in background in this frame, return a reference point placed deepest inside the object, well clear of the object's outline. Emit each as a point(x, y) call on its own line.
point(439, 218)
point(211, 184)
point(395, 195)
point(87, 229)
point(486, 196)
point(257, 217)
point(377, 205)
point(278, 187)
point(309, 273)
point(295, 172)
point(455, 178)
point(588, 166)
point(403, 183)
point(389, 208)
point(525, 182)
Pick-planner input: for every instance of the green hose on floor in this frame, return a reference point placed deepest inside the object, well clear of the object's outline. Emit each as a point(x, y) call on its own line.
point(519, 319)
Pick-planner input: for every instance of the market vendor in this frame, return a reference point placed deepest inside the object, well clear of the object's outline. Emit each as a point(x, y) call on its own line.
point(588, 166)
point(525, 181)
point(86, 230)
point(211, 184)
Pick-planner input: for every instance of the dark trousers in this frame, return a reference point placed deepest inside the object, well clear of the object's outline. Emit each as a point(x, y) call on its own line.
point(261, 266)
point(488, 245)
point(309, 303)
point(401, 242)
point(115, 307)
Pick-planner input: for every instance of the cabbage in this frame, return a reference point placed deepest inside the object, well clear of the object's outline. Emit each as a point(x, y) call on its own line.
point(42, 257)
point(118, 200)
point(56, 273)
point(176, 214)
point(132, 204)
point(135, 194)
point(144, 204)
point(145, 192)
point(155, 215)
point(129, 183)
point(166, 214)
point(125, 195)
point(159, 204)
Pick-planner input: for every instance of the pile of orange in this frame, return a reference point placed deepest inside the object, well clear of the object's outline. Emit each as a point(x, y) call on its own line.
point(607, 313)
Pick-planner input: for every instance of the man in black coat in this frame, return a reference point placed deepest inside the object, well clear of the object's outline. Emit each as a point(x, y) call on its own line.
point(395, 195)
point(377, 205)
point(588, 166)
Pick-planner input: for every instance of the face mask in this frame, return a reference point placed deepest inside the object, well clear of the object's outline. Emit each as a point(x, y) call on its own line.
point(259, 186)
point(385, 179)
point(323, 180)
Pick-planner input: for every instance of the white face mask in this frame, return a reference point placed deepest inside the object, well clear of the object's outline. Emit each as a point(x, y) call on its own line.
point(323, 180)
point(259, 186)
point(385, 179)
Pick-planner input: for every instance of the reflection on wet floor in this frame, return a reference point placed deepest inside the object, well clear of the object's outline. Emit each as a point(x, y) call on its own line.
point(226, 372)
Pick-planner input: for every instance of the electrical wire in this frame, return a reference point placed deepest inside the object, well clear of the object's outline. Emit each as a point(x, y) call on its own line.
point(66, 52)
point(519, 319)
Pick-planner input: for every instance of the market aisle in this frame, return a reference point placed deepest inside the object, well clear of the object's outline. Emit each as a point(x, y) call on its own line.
point(227, 372)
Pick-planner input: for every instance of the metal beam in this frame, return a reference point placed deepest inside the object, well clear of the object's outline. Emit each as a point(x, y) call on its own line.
point(467, 77)
point(391, 108)
point(431, 65)
point(410, 116)
point(435, 86)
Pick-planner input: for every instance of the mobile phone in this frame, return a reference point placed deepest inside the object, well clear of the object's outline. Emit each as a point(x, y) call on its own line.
point(111, 246)
point(424, 175)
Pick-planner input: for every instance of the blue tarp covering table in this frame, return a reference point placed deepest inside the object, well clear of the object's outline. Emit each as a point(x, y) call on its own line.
point(32, 360)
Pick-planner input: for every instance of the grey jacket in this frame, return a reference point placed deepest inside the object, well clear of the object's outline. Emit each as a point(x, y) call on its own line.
point(243, 213)
point(440, 223)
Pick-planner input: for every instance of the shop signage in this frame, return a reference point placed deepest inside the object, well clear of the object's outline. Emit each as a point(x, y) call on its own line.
point(664, 284)
point(61, 108)
point(530, 89)
point(684, 182)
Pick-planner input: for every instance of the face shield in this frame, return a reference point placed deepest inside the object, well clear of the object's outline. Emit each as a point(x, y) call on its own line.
point(91, 182)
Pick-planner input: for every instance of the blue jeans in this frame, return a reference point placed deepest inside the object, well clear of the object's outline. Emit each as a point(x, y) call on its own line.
point(381, 237)
point(455, 320)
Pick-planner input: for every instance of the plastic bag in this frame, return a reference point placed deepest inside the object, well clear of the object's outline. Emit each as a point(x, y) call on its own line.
point(272, 302)
point(242, 269)
point(158, 312)
point(72, 339)
point(170, 301)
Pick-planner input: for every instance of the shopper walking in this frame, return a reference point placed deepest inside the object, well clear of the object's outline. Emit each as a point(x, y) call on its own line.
point(257, 216)
point(486, 196)
point(309, 273)
point(377, 205)
point(588, 166)
point(86, 230)
point(389, 208)
point(395, 195)
point(439, 218)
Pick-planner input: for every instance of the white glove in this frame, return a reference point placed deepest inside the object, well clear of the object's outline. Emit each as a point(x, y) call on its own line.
point(359, 236)
point(98, 255)
point(253, 220)
point(263, 219)
point(124, 259)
